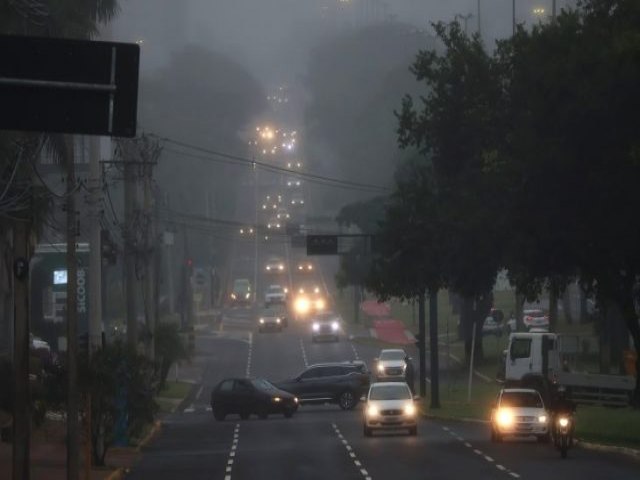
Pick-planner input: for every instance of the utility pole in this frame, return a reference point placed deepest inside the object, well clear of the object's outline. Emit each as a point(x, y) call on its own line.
point(513, 17)
point(73, 430)
point(255, 236)
point(95, 250)
point(149, 158)
point(553, 9)
point(479, 20)
point(168, 243)
point(129, 243)
point(21, 393)
point(433, 343)
point(422, 347)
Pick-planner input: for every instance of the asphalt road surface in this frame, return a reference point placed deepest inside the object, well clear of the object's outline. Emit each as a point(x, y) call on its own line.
point(324, 442)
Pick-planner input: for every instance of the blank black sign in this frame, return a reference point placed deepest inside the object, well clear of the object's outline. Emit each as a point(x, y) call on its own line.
point(322, 244)
point(62, 107)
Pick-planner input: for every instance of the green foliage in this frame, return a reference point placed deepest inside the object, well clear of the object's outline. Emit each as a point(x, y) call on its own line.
point(169, 349)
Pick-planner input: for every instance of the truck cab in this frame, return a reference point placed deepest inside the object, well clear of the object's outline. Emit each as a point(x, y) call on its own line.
point(531, 354)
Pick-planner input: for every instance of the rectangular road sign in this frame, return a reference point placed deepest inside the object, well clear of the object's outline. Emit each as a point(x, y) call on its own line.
point(322, 244)
point(68, 86)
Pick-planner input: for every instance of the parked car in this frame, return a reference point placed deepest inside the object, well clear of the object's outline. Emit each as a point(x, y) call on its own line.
point(519, 412)
point(535, 318)
point(342, 383)
point(391, 365)
point(247, 397)
point(325, 326)
point(390, 406)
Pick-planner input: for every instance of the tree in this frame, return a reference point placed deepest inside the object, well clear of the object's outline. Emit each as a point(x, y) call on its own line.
point(169, 349)
point(572, 119)
point(457, 126)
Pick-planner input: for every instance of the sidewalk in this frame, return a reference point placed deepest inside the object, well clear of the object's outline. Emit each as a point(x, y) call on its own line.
point(48, 456)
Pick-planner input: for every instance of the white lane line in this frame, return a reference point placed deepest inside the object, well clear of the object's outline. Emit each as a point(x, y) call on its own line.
point(232, 453)
point(304, 354)
point(189, 409)
point(480, 452)
point(355, 352)
point(351, 453)
point(248, 371)
point(199, 392)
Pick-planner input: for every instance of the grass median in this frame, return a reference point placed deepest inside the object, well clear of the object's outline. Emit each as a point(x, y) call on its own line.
point(172, 395)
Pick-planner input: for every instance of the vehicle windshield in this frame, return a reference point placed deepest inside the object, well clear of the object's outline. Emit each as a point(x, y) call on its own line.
point(521, 399)
point(263, 384)
point(275, 289)
point(392, 355)
point(390, 392)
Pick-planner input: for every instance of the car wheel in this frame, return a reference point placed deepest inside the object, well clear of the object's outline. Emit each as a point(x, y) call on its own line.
point(244, 415)
point(413, 431)
point(347, 400)
point(219, 415)
point(367, 431)
point(263, 414)
point(288, 413)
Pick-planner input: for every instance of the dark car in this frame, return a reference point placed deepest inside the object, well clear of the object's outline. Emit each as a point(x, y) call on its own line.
point(341, 382)
point(245, 397)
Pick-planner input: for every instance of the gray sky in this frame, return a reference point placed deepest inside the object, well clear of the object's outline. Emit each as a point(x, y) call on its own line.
point(270, 37)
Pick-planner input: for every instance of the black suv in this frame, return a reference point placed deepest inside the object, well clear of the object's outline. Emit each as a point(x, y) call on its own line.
point(342, 383)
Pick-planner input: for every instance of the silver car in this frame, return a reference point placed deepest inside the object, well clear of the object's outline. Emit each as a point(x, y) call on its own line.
point(391, 365)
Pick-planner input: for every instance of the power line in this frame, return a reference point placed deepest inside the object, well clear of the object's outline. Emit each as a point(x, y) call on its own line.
point(236, 159)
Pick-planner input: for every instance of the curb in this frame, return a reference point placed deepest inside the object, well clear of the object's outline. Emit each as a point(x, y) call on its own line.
point(629, 452)
point(157, 426)
point(455, 419)
point(117, 474)
point(188, 398)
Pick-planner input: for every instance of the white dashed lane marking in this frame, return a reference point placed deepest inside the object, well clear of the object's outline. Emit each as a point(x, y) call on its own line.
point(234, 445)
point(352, 455)
point(304, 354)
point(480, 452)
point(355, 352)
point(248, 372)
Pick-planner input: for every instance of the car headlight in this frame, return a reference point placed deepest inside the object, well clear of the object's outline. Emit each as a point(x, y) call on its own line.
point(542, 419)
point(334, 326)
point(262, 320)
point(247, 296)
point(295, 399)
point(372, 411)
point(381, 368)
point(281, 267)
point(277, 320)
point(320, 304)
point(310, 267)
point(563, 422)
point(410, 409)
point(300, 267)
point(302, 305)
point(268, 267)
point(233, 296)
point(504, 418)
point(286, 290)
point(277, 399)
point(316, 290)
point(315, 327)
